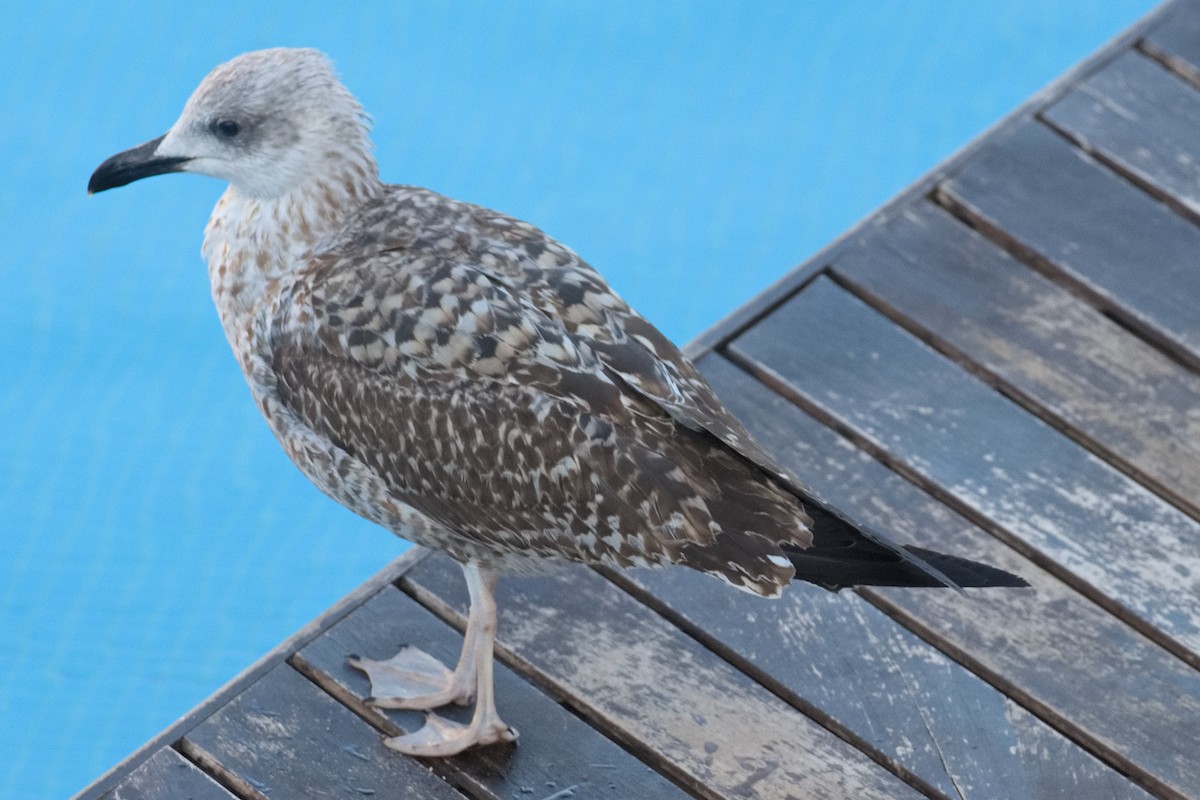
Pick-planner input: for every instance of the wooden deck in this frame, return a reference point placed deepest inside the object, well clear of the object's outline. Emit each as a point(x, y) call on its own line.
point(1002, 363)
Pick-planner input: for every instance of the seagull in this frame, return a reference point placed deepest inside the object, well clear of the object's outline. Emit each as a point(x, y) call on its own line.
point(470, 384)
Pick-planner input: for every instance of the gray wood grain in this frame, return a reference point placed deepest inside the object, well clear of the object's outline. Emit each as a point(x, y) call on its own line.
point(863, 671)
point(1176, 38)
point(1070, 661)
point(285, 738)
point(557, 751)
point(984, 450)
point(627, 669)
point(175, 732)
point(1134, 255)
point(166, 775)
point(1143, 119)
point(1046, 345)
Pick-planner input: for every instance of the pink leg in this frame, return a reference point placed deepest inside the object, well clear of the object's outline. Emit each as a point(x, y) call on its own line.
point(439, 736)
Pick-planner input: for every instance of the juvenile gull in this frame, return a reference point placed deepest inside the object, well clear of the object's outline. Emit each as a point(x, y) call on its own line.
point(469, 383)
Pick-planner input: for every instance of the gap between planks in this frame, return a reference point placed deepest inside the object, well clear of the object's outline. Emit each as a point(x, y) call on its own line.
point(1145, 185)
point(176, 731)
point(1048, 269)
point(765, 680)
point(643, 752)
point(443, 768)
point(738, 321)
point(914, 624)
point(446, 769)
point(213, 768)
point(1022, 398)
point(999, 531)
point(1167, 61)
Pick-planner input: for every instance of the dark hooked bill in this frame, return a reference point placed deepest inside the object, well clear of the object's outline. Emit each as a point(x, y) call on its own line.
point(133, 164)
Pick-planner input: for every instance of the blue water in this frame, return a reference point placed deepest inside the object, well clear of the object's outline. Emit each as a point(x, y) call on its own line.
point(153, 538)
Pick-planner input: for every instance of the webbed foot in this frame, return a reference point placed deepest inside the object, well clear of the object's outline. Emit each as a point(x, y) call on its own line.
point(413, 679)
point(442, 737)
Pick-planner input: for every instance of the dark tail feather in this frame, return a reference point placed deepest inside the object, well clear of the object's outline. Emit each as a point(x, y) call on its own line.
point(846, 554)
point(965, 572)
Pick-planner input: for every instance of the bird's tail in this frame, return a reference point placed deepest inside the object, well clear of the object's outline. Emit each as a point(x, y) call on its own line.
point(845, 554)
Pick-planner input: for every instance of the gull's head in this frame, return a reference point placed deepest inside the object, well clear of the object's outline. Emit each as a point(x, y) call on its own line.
point(269, 122)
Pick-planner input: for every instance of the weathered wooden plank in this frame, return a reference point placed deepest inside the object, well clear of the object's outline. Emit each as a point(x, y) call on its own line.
point(166, 775)
point(741, 318)
point(556, 752)
point(983, 450)
point(659, 691)
point(1131, 253)
point(1141, 118)
point(1059, 654)
point(267, 662)
point(1176, 38)
point(865, 673)
point(283, 738)
point(1042, 342)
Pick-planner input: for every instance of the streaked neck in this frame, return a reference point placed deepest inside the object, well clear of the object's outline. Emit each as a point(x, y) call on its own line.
point(252, 243)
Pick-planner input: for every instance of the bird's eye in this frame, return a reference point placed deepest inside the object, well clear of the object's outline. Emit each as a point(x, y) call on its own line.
point(227, 128)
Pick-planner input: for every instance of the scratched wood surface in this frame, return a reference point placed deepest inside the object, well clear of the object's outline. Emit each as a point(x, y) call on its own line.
point(1052, 649)
point(1058, 356)
point(284, 737)
point(1053, 204)
point(168, 774)
point(593, 763)
point(1003, 363)
point(1175, 39)
point(971, 444)
point(1140, 118)
point(616, 661)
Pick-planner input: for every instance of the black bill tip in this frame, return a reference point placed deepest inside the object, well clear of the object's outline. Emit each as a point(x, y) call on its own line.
point(131, 165)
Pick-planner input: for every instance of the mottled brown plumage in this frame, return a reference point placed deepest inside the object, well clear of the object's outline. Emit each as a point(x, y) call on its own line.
point(471, 384)
point(498, 386)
